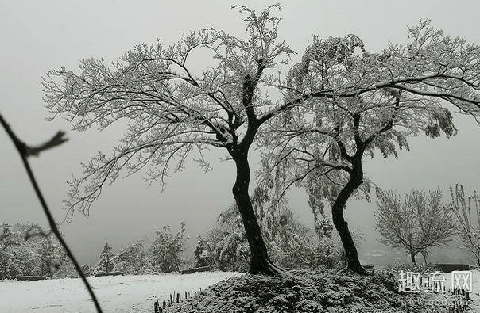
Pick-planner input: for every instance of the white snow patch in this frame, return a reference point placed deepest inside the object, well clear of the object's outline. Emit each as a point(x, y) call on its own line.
point(115, 293)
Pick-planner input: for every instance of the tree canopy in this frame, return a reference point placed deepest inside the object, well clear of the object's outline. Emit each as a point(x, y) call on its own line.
point(167, 249)
point(27, 250)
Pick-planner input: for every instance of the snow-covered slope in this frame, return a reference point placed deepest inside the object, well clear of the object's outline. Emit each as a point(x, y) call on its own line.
point(116, 294)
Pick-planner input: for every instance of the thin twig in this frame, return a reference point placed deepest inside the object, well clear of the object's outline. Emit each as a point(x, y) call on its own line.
point(26, 151)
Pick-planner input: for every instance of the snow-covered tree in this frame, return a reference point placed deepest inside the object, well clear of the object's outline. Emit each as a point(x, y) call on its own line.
point(366, 102)
point(46, 252)
point(87, 270)
point(466, 210)
point(417, 224)
point(202, 253)
point(105, 264)
point(167, 248)
point(20, 250)
point(7, 239)
point(175, 112)
point(131, 259)
point(64, 267)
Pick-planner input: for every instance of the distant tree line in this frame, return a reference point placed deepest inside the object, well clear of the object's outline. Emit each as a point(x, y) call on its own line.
point(416, 224)
point(225, 247)
point(27, 250)
point(162, 255)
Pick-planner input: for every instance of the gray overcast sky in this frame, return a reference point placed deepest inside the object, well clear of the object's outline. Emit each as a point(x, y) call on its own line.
point(37, 36)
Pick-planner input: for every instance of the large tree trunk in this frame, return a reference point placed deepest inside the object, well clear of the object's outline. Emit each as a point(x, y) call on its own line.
point(260, 263)
point(338, 207)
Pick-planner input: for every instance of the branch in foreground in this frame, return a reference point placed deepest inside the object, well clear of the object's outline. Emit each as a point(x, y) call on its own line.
point(25, 151)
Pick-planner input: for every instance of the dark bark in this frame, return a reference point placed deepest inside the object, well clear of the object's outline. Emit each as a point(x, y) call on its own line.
point(354, 181)
point(260, 262)
point(338, 207)
point(424, 258)
point(412, 257)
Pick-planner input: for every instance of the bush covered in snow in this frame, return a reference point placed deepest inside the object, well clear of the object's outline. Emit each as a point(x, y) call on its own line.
point(167, 248)
point(310, 291)
point(132, 259)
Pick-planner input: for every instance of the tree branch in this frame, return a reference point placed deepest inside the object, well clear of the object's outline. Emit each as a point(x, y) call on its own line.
point(341, 145)
point(394, 83)
point(389, 125)
point(25, 151)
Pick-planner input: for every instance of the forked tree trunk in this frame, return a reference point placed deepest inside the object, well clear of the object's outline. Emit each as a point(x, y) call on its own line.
point(338, 207)
point(260, 262)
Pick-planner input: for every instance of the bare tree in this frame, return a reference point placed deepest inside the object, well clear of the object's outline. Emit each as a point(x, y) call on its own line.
point(362, 101)
point(467, 215)
point(417, 224)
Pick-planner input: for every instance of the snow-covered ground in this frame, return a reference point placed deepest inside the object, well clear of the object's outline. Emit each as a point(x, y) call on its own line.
point(120, 294)
point(116, 293)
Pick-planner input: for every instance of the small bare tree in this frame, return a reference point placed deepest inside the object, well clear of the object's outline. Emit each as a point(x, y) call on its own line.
point(467, 216)
point(418, 224)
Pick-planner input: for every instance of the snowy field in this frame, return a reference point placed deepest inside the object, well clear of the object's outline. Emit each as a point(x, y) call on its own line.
point(116, 293)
